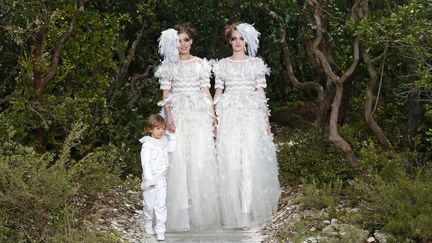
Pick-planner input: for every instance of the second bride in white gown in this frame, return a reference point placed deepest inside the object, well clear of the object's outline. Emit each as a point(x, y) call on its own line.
point(192, 198)
point(248, 174)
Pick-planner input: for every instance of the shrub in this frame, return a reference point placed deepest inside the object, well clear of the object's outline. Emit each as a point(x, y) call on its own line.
point(327, 196)
point(310, 157)
point(38, 191)
point(393, 201)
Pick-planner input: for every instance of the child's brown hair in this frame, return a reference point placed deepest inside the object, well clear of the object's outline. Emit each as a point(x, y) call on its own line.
point(153, 121)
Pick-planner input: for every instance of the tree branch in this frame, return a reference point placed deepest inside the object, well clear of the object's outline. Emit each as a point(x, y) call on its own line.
point(41, 82)
point(370, 91)
point(334, 135)
point(60, 45)
point(8, 98)
point(307, 86)
point(44, 122)
point(319, 36)
point(121, 74)
point(134, 88)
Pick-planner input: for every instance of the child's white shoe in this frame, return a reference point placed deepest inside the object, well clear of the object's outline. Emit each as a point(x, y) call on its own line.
point(160, 236)
point(149, 230)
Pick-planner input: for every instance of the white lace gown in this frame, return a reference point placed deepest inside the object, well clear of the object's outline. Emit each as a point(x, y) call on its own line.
point(192, 198)
point(248, 173)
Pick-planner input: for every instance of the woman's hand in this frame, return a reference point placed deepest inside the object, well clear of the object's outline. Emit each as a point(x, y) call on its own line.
point(268, 126)
point(170, 124)
point(169, 118)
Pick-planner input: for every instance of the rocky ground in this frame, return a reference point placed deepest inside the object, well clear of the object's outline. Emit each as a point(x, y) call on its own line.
point(295, 223)
point(120, 213)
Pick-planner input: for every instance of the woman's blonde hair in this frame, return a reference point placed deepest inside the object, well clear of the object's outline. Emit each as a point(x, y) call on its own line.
point(153, 121)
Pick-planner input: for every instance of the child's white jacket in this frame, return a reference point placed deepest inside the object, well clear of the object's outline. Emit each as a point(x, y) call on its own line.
point(154, 158)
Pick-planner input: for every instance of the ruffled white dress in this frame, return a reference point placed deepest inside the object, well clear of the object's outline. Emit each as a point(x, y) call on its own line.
point(248, 173)
point(192, 198)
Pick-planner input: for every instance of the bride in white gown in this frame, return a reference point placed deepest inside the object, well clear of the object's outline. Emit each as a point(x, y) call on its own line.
point(192, 199)
point(248, 174)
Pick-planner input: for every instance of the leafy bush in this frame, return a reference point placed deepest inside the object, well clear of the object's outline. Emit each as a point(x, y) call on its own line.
point(393, 201)
point(38, 191)
point(327, 196)
point(310, 157)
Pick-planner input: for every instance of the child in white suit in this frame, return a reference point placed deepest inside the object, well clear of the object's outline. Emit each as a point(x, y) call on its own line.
point(154, 161)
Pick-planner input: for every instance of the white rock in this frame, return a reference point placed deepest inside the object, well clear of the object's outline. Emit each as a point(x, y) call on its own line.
point(311, 239)
point(327, 221)
point(333, 221)
point(381, 237)
point(371, 239)
point(313, 229)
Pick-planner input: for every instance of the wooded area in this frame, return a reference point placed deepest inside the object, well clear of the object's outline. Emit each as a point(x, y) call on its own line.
point(350, 92)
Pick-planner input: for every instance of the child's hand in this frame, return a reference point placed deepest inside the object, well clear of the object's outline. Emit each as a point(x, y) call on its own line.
point(149, 184)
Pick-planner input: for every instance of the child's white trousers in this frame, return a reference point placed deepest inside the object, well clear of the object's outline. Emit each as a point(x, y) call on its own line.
point(155, 201)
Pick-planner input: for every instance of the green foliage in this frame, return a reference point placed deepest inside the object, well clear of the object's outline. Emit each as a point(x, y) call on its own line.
point(311, 157)
point(406, 29)
point(98, 171)
point(88, 157)
point(324, 197)
point(391, 200)
point(38, 191)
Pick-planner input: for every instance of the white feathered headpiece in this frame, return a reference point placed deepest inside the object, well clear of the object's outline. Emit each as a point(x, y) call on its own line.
point(250, 35)
point(168, 43)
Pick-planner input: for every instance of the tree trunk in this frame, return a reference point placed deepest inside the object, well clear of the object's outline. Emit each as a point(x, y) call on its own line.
point(334, 134)
point(335, 79)
point(370, 97)
point(325, 108)
point(345, 101)
point(414, 115)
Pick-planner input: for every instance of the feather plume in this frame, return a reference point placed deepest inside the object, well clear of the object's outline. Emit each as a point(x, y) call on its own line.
point(168, 43)
point(250, 35)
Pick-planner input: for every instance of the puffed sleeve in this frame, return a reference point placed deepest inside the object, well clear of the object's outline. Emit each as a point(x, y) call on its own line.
point(261, 70)
point(218, 72)
point(163, 73)
point(205, 73)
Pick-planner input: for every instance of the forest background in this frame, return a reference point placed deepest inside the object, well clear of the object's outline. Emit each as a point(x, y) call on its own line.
point(350, 92)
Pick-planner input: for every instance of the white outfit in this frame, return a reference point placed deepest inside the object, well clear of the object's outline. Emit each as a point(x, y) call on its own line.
point(248, 174)
point(192, 193)
point(154, 162)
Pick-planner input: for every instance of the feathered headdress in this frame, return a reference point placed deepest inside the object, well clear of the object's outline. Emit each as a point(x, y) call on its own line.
point(168, 43)
point(250, 35)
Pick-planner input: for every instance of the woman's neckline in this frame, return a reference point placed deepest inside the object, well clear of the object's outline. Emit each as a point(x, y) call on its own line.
point(238, 60)
point(187, 60)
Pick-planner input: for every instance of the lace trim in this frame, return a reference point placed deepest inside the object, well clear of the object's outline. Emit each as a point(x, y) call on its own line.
point(186, 89)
